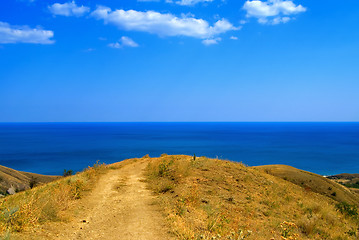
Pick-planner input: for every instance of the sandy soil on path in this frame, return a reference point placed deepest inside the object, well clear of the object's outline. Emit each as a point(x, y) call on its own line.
point(119, 207)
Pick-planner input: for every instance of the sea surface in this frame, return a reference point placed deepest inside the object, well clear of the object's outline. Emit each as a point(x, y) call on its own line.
point(49, 148)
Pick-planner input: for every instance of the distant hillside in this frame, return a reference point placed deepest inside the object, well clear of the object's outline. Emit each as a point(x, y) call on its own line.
point(346, 176)
point(349, 180)
point(21, 180)
point(312, 182)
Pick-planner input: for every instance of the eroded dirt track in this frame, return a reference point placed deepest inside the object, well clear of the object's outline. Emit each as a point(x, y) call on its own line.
point(119, 207)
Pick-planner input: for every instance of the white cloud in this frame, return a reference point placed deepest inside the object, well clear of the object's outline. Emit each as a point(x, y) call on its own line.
point(24, 34)
point(233, 38)
point(212, 41)
point(123, 42)
point(128, 42)
point(274, 21)
point(68, 9)
point(180, 2)
point(162, 24)
point(272, 11)
point(189, 2)
point(115, 45)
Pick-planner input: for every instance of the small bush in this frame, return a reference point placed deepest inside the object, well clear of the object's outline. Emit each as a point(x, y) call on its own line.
point(287, 230)
point(67, 173)
point(163, 168)
point(347, 209)
point(164, 186)
point(308, 225)
point(17, 218)
point(352, 232)
point(76, 189)
point(33, 182)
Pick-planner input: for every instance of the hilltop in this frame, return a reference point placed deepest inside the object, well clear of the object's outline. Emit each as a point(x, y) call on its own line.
point(183, 197)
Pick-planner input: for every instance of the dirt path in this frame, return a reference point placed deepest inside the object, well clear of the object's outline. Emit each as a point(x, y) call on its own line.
point(119, 207)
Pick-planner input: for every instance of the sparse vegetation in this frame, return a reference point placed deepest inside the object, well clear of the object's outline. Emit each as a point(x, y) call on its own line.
point(313, 182)
point(352, 185)
point(67, 173)
point(33, 182)
point(347, 209)
point(203, 199)
point(214, 199)
point(288, 229)
point(46, 202)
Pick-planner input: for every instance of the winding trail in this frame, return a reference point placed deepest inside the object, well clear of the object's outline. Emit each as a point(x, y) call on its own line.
point(119, 207)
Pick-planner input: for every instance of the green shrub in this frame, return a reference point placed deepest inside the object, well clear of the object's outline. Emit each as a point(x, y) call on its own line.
point(352, 185)
point(33, 182)
point(347, 209)
point(67, 173)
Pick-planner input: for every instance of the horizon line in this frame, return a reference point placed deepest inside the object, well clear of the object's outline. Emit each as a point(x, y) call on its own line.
point(182, 122)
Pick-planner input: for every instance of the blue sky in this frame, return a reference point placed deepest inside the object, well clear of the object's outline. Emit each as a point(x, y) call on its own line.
point(179, 60)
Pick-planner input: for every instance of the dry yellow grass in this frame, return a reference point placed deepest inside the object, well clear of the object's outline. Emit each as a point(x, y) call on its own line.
point(312, 182)
point(28, 209)
point(214, 199)
point(202, 199)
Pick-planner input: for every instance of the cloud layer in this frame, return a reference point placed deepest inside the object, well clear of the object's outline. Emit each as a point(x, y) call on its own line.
point(272, 11)
point(162, 24)
point(68, 9)
point(24, 34)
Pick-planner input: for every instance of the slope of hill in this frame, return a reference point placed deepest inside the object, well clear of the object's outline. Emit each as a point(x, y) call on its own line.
point(192, 198)
point(21, 180)
point(312, 182)
point(214, 199)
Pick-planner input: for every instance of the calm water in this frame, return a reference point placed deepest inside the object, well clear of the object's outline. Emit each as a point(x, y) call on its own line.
point(48, 148)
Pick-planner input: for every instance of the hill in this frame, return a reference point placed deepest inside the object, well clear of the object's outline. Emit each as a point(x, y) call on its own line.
point(349, 180)
point(312, 182)
point(21, 180)
point(180, 197)
point(215, 199)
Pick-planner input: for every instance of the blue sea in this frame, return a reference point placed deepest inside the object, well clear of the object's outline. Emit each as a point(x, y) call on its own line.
point(49, 148)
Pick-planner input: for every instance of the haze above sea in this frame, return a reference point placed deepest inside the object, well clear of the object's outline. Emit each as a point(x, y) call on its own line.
point(49, 148)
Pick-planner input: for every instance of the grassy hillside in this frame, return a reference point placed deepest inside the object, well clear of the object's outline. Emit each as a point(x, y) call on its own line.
point(206, 199)
point(21, 180)
point(213, 199)
point(312, 182)
point(45, 203)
